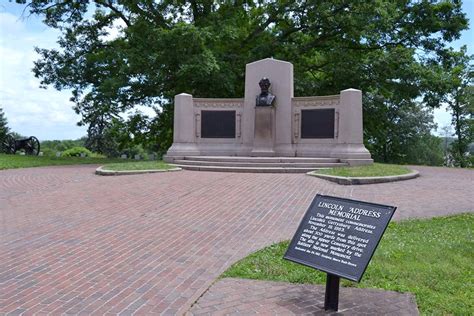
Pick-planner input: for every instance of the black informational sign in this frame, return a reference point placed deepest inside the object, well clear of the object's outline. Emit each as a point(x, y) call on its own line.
point(339, 236)
point(317, 123)
point(218, 124)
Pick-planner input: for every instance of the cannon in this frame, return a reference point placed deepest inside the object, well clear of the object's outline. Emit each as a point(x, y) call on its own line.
point(30, 145)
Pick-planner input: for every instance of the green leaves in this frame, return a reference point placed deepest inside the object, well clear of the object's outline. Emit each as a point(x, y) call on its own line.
point(389, 49)
point(458, 95)
point(3, 127)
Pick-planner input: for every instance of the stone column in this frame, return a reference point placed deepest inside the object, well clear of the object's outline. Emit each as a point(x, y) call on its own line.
point(350, 147)
point(183, 118)
point(184, 142)
point(350, 117)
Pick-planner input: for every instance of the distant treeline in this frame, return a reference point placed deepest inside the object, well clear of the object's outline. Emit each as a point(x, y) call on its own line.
point(51, 147)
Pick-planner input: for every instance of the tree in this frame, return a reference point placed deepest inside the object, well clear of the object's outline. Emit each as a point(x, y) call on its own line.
point(3, 124)
point(100, 138)
point(201, 47)
point(459, 98)
point(447, 132)
point(399, 131)
point(463, 122)
point(427, 149)
point(51, 147)
point(4, 130)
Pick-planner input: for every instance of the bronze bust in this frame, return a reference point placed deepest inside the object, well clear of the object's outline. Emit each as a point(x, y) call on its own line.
point(265, 98)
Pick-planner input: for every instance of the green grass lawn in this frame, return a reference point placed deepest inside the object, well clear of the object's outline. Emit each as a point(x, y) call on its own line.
point(138, 165)
point(374, 170)
point(17, 161)
point(432, 258)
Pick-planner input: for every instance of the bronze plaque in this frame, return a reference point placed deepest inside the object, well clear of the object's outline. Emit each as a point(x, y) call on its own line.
point(217, 124)
point(317, 123)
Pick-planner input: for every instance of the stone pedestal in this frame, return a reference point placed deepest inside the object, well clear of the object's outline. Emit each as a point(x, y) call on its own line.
point(280, 74)
point(264, 130)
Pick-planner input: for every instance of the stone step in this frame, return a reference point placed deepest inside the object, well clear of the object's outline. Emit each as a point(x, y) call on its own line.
point(259, 164)
point(261, 159)
point(247, 169)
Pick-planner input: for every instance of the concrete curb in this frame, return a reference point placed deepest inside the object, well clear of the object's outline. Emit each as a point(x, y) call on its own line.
point(101, 172)
point(365, 180)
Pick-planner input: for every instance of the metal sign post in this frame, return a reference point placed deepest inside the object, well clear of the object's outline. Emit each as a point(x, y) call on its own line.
point(331, 299)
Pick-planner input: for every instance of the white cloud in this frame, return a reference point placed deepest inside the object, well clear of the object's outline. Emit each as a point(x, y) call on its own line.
point(29, 109)
point(9, 25)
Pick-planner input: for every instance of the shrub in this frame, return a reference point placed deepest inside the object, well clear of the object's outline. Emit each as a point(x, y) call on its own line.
point(76, 152)
point(96, 155)
point(48, 152)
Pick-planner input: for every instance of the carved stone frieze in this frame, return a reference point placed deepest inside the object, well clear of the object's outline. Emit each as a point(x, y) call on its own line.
point(315, 101)
point(218, 103)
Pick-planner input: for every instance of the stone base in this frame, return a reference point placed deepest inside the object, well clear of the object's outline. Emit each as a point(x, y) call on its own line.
point(285, 150)
point(353, 155)
point(262, 153)
point(215, 149)
point(183, 149)
point(342, 151)
point(256, 164)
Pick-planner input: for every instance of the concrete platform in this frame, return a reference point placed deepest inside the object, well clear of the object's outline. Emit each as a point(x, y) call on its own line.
point(248, 297)
point(261, 159)
point(255, 164)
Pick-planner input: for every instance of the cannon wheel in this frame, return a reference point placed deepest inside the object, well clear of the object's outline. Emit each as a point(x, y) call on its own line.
point(32, 146)
point(8, 145)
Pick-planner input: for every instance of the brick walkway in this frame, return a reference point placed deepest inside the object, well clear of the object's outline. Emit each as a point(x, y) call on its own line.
point(72, 242)
point(250, 297)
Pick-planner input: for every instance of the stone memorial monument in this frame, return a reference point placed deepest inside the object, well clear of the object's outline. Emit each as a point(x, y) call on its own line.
point(270, 122)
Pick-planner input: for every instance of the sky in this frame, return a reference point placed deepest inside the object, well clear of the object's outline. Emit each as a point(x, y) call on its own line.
point(47, 113)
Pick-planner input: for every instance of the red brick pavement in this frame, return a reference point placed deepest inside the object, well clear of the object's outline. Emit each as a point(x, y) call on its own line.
point(249, 297)
point(72, 242)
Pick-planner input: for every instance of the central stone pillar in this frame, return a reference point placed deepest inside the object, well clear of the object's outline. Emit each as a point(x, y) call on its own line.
point(280, 74)
point(264, 138)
